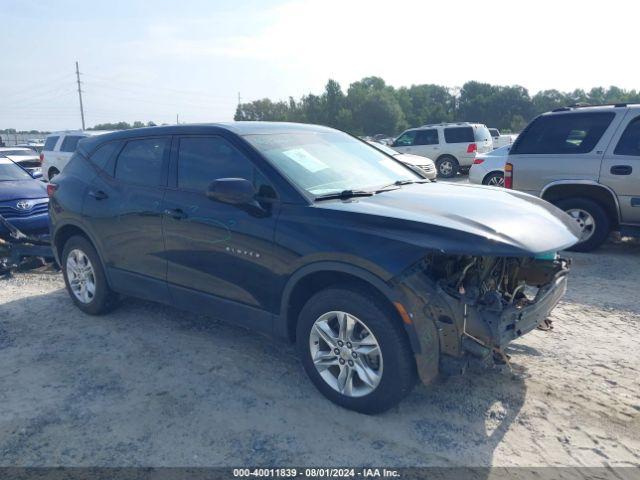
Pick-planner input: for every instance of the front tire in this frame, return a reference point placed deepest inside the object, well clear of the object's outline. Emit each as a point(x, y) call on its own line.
point(354, 350)
point(85, 278)
point(447, 166)
point(593, 221)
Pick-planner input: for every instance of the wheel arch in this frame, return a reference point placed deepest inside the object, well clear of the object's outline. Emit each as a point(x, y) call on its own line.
point(445, 155)
point(53, 170)
point(486, 177)
point(597, 192)
point(64, 233)
point(308, 280)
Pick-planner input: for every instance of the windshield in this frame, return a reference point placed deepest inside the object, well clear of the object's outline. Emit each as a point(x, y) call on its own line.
point(329, 162)
point(10, 171)
point(17, 153)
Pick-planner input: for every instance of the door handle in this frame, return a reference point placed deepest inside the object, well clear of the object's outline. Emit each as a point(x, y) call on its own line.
point(98, 195)
point(175, 213)
point(621, 170)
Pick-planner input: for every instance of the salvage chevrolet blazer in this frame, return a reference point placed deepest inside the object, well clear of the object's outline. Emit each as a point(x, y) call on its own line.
point(307, 233)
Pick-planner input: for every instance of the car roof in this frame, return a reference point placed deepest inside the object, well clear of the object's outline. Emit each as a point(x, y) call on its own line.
point(593, 108)
point(86, 133)
point(447, 125)
point(238, 128)
point(7, 149)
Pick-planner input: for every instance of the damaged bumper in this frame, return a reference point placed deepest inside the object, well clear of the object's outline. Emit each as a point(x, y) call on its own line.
point(514, 322)
point(469, 308)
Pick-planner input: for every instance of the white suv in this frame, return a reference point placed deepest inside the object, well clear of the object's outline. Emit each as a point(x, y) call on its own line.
point(58, 149)
point(453, 146)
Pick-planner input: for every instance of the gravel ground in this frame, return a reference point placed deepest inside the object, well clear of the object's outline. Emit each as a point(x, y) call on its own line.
point(152, 386)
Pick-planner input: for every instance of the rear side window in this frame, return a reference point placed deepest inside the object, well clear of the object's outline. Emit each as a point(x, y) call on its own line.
point(201, 160)
point(100, 158)
point(563, 133)
point(459, 135)
point(50, 143)
point(629, 143)
point(426, 137)
point(70, 143)
point(406, 139)
point(140, 161)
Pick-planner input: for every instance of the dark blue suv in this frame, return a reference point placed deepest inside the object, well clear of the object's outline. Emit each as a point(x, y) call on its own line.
point(311, 235)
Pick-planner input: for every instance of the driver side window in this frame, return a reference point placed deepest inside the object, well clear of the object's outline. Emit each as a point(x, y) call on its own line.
point(405, 140)
point(201, 160)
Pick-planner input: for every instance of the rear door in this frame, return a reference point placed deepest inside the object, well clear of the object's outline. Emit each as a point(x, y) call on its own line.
point(621, 167)
point(123, 206)
point(561, 146)
point(218, 254)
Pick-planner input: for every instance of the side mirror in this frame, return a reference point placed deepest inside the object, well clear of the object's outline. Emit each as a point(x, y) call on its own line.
point(234, 191)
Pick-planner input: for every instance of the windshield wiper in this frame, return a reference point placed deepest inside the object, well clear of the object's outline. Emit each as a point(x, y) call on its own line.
point(398, 183)
point(344, 194)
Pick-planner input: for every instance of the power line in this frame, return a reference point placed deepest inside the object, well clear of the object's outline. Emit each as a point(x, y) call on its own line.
point(146, 87)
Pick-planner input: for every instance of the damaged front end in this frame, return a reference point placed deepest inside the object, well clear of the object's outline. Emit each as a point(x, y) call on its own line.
point(473, 306)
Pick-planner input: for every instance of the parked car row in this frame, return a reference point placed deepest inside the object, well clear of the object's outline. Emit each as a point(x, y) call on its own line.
point(452, 146)
point(266, 224)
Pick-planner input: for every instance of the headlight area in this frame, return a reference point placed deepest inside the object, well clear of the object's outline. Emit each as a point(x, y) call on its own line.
point(479, 304)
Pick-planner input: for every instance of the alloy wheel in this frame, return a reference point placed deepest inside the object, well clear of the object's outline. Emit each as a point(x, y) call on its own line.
point(81, 276)
point(346, 354)
point(585, 221)
point(445, 168)
point(496, 181)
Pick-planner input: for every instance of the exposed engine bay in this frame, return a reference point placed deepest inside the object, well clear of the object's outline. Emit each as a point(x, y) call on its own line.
point(479, 304)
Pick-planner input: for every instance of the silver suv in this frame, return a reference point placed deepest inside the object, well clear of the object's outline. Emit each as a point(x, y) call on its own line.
point(585, 160)
point(453, 146)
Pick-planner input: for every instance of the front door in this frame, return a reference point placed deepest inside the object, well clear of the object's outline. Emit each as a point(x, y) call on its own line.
point(621, 169)
point(218, 255)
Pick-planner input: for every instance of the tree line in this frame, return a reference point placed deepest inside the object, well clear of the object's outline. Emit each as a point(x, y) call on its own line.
point(121, 125)
point(371, 107)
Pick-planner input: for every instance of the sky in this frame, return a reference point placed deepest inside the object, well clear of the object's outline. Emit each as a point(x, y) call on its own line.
point(152, 60)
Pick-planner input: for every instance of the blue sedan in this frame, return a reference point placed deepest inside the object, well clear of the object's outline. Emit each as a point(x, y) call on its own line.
point(23, 200)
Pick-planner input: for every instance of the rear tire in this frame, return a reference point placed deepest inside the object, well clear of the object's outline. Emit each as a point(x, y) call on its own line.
point(84, 277)
point(393, 373)
point(592, 217)
point(494, 179)
point(447, 166)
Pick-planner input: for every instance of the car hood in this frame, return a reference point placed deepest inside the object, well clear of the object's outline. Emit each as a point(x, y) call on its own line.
point(413, 159)
point(19, 189)
point(464, 219)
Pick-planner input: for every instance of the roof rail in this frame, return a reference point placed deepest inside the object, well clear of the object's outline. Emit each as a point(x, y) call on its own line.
point(585, 105)
point(443, 124)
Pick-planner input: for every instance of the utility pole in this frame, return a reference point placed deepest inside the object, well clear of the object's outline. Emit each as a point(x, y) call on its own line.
point(80, 94)
point(239, 99)
point(177, 119)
